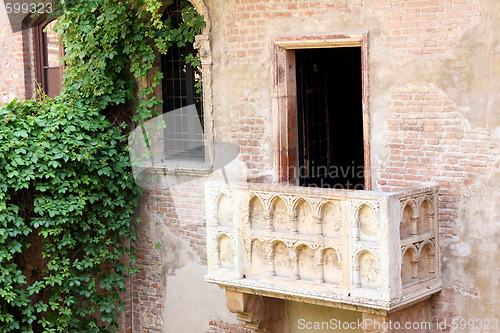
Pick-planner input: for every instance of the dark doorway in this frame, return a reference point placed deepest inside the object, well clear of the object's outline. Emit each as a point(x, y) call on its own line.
point(330, 117)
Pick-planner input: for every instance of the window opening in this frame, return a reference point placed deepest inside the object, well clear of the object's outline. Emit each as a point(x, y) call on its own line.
point(179, 91)
point(49, 54)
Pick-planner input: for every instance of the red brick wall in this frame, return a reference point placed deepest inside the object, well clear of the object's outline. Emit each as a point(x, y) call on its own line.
point(247, 25)
point(147, 293)
point(29, 60)
point(443, 309)
point(429, 140)
point(125, 320)
point(247, 131)
point(12, 55)
point(182, 211)
point(423, 27)
point(411, 27)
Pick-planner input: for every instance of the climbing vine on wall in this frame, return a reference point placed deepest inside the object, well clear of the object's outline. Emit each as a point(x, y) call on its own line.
point(67, 194)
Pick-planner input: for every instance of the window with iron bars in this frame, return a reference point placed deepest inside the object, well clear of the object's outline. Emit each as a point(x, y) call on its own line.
point(183, 134)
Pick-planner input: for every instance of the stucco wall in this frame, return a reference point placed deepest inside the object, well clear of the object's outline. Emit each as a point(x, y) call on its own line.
point(417, 49)
point(434, 70)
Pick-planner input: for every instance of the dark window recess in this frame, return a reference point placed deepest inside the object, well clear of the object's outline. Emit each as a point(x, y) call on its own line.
point(330, 118)
point(182, 134)
point(48, 57)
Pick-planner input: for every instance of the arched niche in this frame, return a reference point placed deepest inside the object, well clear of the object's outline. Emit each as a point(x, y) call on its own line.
point(257, 214)
point(405, 225)
point(408, 266)
point(332, 220)
point(224, 210)
point(283, 265)
point(368, 270)
point(426, 268)
point(425, 218)
point(226, 251)
point(281, 221)
point(368, 224)
point(332, 266)
point(305, 222)
point(259, 259)
point(307, 270)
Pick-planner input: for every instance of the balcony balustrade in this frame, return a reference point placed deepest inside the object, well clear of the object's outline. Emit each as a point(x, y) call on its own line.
point(376, 250)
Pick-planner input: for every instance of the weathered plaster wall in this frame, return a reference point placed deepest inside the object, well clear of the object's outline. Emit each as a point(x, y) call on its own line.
point(472, 266)
point(434, 70)
point(170, 294)
point(445, 48)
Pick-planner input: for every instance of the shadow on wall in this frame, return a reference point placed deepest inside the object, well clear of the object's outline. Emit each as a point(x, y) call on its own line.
point(175, 141)
point(169, 161)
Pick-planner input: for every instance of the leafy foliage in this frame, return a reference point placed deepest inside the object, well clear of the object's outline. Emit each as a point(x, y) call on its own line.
point(67, 194)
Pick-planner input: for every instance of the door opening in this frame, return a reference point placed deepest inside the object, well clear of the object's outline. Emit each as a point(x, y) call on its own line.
point(330, 118)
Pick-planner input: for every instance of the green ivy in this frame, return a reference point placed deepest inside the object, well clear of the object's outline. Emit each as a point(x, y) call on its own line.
point(67, 193)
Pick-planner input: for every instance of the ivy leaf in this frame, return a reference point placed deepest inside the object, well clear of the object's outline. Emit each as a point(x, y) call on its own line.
point(65, 170)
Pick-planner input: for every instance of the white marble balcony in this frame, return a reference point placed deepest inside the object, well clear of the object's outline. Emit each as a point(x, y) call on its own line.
point(375, 250)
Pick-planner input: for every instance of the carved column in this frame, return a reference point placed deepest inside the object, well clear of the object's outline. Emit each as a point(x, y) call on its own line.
point(356, 275)
point(217, 257)
point(294, 220)
point(355, 230)
point(432, 268)
point(413, 225)
point(432, 262)
point(269, 216)
point(295, 261)
point(269, 222)
point(270, 261)
point(430, 221)
point(414, 268)
point(318, 222)
point(320, 274)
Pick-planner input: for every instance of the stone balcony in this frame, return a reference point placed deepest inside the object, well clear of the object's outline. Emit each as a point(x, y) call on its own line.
point(351, 249)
